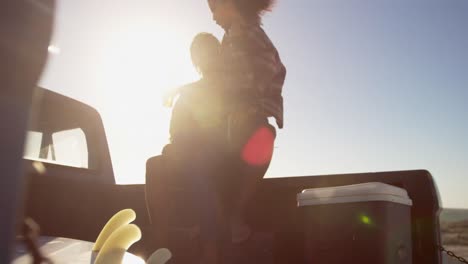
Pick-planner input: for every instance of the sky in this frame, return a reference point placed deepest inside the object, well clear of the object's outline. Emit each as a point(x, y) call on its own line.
point(372, 85)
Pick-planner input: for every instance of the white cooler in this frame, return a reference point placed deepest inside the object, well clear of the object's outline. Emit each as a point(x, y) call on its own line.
point(362, 223)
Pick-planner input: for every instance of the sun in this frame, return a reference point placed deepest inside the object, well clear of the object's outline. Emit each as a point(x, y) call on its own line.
point(141, 67)
point(122, 61)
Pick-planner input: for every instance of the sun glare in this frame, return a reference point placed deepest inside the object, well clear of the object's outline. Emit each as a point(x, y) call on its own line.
point(141, 68)
point(122, 60)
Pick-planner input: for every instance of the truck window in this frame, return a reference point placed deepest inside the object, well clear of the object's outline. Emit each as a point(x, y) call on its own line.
point(67, 147)
point(33, 145)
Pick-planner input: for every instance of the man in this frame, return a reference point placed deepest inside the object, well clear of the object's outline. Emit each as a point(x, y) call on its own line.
point(194, 155)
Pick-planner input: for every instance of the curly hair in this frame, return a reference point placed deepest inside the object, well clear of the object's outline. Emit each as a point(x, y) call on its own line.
point(254, 9)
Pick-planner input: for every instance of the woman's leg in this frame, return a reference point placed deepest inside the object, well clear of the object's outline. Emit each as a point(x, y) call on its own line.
point(255, 157)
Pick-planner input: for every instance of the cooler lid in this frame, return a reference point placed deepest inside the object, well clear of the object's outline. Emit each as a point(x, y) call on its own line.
point(365, 192)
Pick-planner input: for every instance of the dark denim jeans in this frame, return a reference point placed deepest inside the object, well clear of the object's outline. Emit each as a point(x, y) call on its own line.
point(215, 172)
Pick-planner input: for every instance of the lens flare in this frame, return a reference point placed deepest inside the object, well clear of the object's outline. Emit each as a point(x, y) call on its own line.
point(366, 220)
point(259, 147)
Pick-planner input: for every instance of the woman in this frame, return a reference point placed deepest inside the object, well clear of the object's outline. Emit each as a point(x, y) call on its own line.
point(253, 80)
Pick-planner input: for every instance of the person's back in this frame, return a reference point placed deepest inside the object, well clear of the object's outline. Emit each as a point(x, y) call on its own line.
point(199, 111)
point(197, 116)
point(197, 132)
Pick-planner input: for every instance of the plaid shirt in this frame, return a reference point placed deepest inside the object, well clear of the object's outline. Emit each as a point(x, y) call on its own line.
point(254, 71)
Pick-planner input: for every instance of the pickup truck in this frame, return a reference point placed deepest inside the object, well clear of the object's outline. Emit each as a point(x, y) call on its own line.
point(75, 196)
